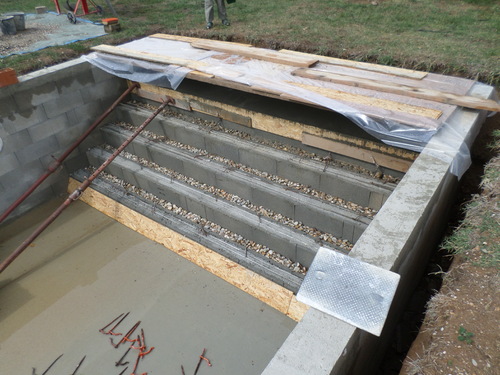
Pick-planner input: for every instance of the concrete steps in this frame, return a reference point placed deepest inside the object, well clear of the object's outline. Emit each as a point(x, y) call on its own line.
point(230, 182)
point(347, 185)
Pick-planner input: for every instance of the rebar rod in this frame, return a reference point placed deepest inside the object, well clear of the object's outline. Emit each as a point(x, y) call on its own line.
point(55, 165)
point(78, 192)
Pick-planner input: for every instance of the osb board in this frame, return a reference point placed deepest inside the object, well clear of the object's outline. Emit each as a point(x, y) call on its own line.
point(401, 89)
point(250, 282)
point(282, 127)
point(390, 105)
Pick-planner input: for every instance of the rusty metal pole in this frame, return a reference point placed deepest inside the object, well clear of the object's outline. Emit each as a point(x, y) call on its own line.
point(76, 194)
point(53, 167)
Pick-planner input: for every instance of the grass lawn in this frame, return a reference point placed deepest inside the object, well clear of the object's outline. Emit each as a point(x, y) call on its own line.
point(456, 37)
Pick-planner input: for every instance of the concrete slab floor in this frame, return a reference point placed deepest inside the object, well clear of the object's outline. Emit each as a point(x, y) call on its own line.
point(86, 269)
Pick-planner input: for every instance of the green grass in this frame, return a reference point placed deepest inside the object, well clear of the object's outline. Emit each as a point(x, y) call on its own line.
point(448, 36)
point(477, 236)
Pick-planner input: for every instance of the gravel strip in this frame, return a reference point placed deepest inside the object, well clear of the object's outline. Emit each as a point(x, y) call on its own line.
point(207, 226)
point(321, 237)
point(231, 165)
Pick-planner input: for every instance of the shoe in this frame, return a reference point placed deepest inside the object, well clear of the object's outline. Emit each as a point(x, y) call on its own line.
point(209, 25)
point(226, 23)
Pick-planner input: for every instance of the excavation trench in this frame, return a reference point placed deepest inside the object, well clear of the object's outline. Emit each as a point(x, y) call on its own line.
point(204, 227)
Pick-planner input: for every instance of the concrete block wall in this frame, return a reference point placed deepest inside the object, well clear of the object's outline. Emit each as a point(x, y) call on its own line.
point(399, 239)
point(40, 117)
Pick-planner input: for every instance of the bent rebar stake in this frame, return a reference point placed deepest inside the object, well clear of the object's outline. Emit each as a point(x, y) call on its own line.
point(57, 163)
point(78, 192)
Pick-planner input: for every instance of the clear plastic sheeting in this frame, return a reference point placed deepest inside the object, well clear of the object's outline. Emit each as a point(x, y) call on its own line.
point(395, 127)
point(168, 76)
point(353, 291)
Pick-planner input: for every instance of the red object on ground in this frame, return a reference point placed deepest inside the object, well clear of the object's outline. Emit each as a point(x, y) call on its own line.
point(109, 21)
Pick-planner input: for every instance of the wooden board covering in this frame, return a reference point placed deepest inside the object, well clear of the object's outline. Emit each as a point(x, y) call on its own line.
point(256, 53)
point(152, 57)
point(406, 73)
point(399, 89)
point(390, 105)
point(355, 152)
point(189, 39)
point(250, 282)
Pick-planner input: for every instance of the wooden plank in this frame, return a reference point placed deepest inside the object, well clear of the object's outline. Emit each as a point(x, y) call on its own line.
point(146, 56)
point(191, 39)
point(257, 53)
point(250, 282)
point(406, 73)
point(356, 152)
point(414, 92)
point(390, 105)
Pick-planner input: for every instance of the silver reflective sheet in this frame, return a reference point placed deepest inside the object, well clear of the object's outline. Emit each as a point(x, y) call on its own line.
point(349, 289)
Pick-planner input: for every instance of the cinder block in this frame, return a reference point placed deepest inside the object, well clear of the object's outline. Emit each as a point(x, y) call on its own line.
point(353, 192)
point(193, 170)
point(69, 134)
point(22, 177)
point(8, 162)
point(37, 150)
point(319, 221)
point(306, 257)
point(101, 75)
point(8, 106)
point(348, 231)
point(195, 206)
point(48, 128)
point(67, 85)
point(63, 104)
point(167, 161)
point(227, 183)
point(110, 88)
point(188, 138)
point(34, 96)
point(260, 162)
point(23, 119)
point(294, 173)
point(16, 141)
point(215, 146)
point(88, 112)
point(272, 201)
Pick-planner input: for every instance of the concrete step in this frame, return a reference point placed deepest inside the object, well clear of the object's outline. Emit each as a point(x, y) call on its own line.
point(311, 211)
point(358, 188)
point(252, 260)
point(291, 243)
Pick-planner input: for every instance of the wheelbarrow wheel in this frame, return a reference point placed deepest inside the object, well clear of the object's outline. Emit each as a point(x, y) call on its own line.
point(99, 10)
point(71, 17)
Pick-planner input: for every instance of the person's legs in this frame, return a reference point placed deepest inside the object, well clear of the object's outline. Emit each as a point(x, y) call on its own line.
point(209, 11)
point(221, 6)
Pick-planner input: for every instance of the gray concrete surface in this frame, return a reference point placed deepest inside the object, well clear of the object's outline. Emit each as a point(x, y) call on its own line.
point(87, 269)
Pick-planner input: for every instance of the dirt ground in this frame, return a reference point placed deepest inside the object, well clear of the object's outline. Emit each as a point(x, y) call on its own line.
point(460, 333)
